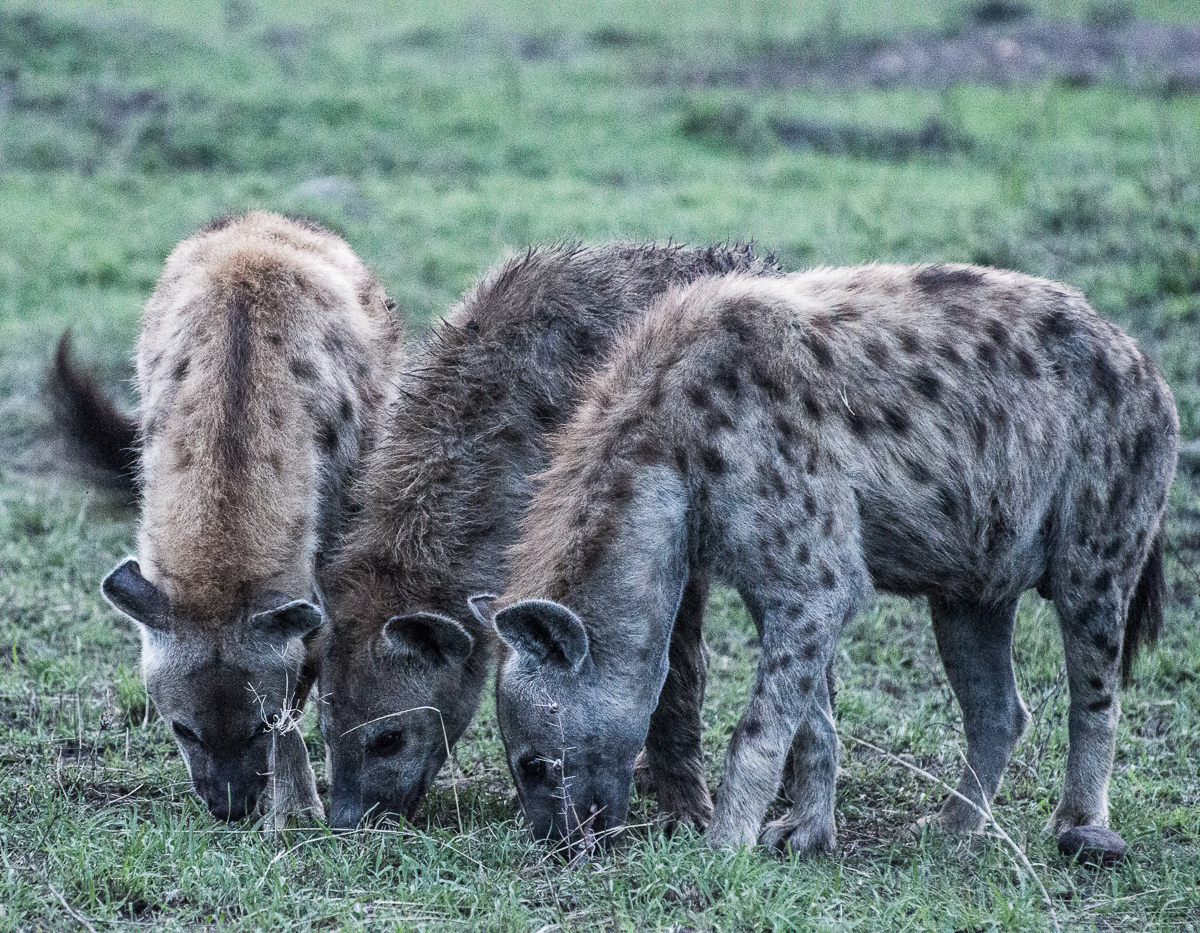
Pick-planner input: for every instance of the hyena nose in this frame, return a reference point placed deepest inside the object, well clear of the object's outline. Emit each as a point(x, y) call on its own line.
point(230, 808)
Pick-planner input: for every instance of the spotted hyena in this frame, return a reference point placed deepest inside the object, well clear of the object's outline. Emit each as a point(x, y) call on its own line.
point(962, 433)
point(265, 349)
point(437, 502)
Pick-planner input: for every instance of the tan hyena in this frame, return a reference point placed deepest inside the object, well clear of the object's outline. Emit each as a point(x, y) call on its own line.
point(438, 501)
point(265, 349)
point(962, 433)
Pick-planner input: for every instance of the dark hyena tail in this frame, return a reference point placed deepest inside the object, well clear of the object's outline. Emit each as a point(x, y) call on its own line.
point(1144, 618)
point(101, 436)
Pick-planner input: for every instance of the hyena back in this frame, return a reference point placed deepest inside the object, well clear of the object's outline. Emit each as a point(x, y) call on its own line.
point(266, 348)
point(951, 431)
point(437, 501)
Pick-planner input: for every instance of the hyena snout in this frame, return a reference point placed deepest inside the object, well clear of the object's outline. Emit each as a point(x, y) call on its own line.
point(228, 794)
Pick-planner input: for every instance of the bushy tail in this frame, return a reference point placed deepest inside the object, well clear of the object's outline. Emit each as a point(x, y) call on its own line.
point(1144, 618)
point(105, 439)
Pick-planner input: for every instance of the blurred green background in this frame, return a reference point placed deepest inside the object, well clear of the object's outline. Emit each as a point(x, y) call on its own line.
point(1060, 139)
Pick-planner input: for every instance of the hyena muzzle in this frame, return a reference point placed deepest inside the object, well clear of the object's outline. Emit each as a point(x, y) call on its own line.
point(961, 433)
point(404, 660)
point(266, 349)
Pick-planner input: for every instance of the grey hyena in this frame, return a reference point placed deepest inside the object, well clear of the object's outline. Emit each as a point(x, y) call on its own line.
point(437, 502)
point(951, 431)
point(265, 349)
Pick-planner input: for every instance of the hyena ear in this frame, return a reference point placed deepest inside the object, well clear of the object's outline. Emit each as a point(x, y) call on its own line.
point(544, 630)
point(429, 637)
point(133, 595)
point(481, 608)
point(291, 620)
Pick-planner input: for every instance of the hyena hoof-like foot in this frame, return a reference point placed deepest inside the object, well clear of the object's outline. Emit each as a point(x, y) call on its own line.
point(1092, 845)
point(685, 800)
point(959, 818)
point(727, 836)
point(789, 837)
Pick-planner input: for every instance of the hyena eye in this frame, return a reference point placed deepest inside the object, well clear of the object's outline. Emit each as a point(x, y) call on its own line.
point(184, 733)
point(388, 743)
point(533, 768)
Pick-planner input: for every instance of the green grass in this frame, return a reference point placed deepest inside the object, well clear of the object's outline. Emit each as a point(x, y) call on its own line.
point(452, 133)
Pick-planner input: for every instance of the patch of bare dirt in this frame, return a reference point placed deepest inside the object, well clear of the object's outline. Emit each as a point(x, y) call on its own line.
point(1152, 56)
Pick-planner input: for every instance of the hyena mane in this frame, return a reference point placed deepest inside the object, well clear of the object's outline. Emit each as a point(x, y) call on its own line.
point(437, 500)
point(267, 350)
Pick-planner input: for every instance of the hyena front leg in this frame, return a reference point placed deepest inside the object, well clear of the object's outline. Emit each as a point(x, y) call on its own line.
point(790, 698)
point(809, 779)
point(293, 786)
point(673, 756)
point(975, 642)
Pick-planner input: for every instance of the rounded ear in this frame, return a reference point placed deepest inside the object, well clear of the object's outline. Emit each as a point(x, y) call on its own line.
point(428, 637)
point(544, 630)
point(136, 597)
point(293, 619)
point(481, 607)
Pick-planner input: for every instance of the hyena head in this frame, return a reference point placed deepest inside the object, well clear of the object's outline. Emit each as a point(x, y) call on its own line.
point(570, 733)
point(392, 706)
point(221, 693)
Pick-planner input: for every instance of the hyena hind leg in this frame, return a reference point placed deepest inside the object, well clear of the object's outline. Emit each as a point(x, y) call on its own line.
point(975, 643)
point(293, 785)
point(672, 763)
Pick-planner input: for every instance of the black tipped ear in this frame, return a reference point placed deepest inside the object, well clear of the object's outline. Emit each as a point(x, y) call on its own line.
point(429, 637)
point(545, 630)
point(135, 596)
point(291, 620)
point(481, 607)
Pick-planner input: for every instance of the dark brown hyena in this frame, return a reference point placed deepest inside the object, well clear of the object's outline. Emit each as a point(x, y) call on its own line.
point(962, 433)
point(266, 348)
point(438, 501)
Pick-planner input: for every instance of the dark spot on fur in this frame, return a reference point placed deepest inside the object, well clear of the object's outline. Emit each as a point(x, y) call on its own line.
point(933, 280)
point(827, 526)
point(812, 406)
point(1095, 683)
point(858, 424)
point(802, 553)
point(1106, 378)
point(333, 343)
point(897, 419)
point(302, 369)
point(949, 352)
point(910, 343)
point(234, 438)
point(980, 429)
point(766, 382)
point(712, 460)
point(1142, 446)
point(986, 354)
point(737, 317)
point(751, 729)
point(918, 471)
point(926, 381)
point(997, 331)
point(786, 429)
point(826, 577)
point(844, 313)
point(1116, 495)
point(773, 478)
point(327, 437)
point(180, 369)
point(1028, 364)
point(1113, 549)
point(804, 684)
point(473, 326)
point(726, 378)
point(810, 650)
point(819, 347)
point(717, 419)
point(810, 503)
point(1056, 326)
point(345, 409)
point(878, 353)
point(1103, 642)
point(1103, 581)
point(1097, 706)
point(698, 395)
point(948, 503)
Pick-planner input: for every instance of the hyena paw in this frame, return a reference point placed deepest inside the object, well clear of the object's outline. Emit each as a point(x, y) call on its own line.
point(726, 836)
point(1090, 843)
point(685, 799)
point(958, 818)
point(789, 836)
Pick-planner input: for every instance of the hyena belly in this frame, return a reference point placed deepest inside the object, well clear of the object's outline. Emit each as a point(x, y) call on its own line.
point(266, 350)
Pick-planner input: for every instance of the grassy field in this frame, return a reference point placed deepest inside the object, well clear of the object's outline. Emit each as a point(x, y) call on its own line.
point(435, 137)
